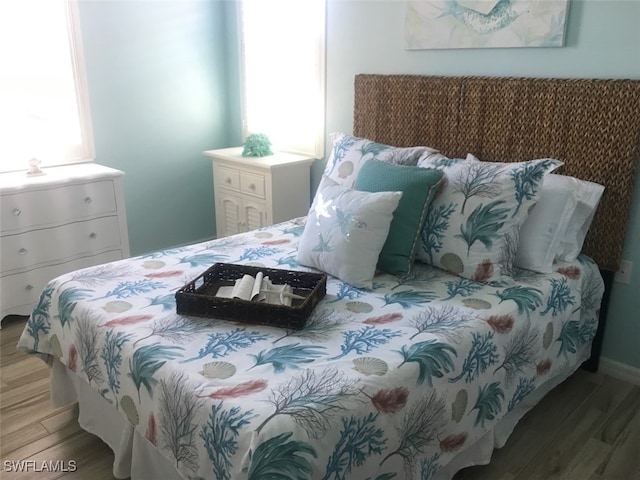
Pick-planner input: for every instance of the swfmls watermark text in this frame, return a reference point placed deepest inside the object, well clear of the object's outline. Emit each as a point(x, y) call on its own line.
point(24, 466)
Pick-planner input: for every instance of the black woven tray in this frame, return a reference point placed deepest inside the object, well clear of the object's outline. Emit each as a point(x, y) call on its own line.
point(198, 296)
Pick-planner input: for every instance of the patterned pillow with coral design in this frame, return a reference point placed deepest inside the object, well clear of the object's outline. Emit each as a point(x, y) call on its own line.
point(350, 153)
point(473, 223)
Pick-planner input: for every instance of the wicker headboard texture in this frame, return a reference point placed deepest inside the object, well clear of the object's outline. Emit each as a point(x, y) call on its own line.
point(593, 126)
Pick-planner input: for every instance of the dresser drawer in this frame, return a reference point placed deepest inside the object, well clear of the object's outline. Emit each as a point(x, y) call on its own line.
point(228, 178)
point(252, 184)
point(20, 292)
point(59, 243)
point(22, 210)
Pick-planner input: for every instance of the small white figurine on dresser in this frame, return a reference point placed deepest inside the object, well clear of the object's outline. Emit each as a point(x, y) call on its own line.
point(54, 222)
point(34, 167)
point(253, 192)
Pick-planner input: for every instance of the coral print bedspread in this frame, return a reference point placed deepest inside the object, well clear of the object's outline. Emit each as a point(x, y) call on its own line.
point(380, 384)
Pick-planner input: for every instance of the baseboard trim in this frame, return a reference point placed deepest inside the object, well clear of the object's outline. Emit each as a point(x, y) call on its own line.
point(619, 370)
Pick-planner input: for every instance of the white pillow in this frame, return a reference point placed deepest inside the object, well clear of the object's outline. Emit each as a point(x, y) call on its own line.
point(589, 195)
point(345, 232)
point(546, 225)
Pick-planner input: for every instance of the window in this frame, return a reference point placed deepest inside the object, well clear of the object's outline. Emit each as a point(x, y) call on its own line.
point(282, 61)
point(43, 92)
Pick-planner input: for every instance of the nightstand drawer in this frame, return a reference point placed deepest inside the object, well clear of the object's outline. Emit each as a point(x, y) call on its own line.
point(49, 206)
point(59, 243)
point(252, 184)
point(228, 178)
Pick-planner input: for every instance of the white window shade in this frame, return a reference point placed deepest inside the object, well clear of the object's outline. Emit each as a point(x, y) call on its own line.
point(43, 94)
point(283, 61)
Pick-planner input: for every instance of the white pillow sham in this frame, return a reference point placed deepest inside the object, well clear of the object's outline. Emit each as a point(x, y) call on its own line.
point(547, 223)
point(345, 231)
point(588, 196)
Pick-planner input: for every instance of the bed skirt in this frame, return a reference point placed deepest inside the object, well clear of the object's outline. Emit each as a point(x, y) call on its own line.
point(137, 458)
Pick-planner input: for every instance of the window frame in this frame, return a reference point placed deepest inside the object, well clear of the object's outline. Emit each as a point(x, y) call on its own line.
point(87, 149)
point(317, 150)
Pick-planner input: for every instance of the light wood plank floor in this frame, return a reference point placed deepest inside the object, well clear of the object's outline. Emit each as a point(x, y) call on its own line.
point(588, 428)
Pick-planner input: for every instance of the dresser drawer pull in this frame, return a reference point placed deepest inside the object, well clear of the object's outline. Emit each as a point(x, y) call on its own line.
point(23, 251)
point(17, 212)
point(28, 288)
point(88, 200)
point(227, 180)
point(93, 235)
point(252, 186)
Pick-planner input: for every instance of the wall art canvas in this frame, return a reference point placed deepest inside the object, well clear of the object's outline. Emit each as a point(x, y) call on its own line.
point(434, 24)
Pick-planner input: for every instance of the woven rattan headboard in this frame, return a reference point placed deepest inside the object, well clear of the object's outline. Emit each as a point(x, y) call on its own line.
point(591, 125)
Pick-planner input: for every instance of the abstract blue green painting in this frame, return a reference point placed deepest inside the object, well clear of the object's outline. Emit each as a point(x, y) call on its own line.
point(437, 24)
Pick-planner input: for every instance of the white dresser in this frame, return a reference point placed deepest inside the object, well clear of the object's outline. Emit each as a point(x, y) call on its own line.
point(71, 217)
point(253, 192)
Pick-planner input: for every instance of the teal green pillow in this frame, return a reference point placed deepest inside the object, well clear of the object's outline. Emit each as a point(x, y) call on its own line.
point(418, 186)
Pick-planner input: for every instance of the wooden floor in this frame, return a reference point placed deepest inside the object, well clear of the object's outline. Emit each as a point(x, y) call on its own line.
point(586, 429)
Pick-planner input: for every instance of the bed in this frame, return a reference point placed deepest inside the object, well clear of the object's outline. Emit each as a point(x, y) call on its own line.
point(418, 376)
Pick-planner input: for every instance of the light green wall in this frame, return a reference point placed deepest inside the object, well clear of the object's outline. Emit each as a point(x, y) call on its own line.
point(603, 41)
point(158, 89)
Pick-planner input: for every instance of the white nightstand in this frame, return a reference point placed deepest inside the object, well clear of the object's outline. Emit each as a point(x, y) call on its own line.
point(72, 217)
point(253, 192)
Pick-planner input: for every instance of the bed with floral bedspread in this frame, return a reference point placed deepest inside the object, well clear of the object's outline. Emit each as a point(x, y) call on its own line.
point(393, 382)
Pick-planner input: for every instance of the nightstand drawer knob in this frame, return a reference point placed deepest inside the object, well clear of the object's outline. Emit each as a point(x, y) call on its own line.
point(227, 180)
point(17, 212)
point(88, 200)
point(252, 186)
point(23, 251)
point(93, 235)
point(28, 288)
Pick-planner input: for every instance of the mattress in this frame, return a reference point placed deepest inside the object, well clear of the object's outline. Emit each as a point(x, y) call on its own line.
point(415, 378)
